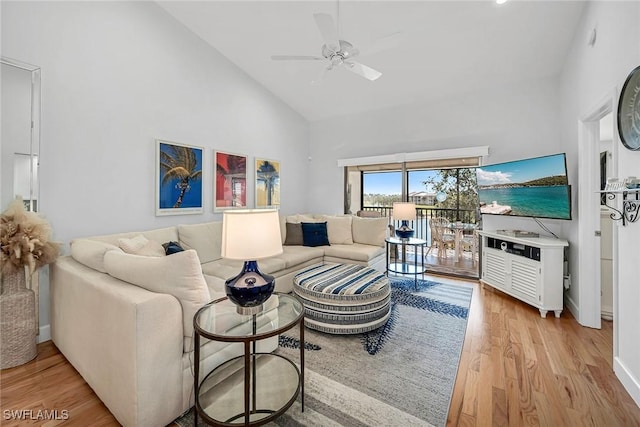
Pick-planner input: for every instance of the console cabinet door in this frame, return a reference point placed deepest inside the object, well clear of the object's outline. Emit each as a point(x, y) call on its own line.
point(525, 279)
point(494, 270)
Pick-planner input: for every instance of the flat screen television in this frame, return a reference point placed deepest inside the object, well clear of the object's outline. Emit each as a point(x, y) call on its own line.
point(536, 187)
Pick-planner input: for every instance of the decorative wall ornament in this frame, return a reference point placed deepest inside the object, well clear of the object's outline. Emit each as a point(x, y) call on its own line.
point(230, 181)
point(629, 111)
point(178, 178)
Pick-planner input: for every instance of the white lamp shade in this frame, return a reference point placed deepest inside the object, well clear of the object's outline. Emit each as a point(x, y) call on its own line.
point(250, 234)
point(404, 211)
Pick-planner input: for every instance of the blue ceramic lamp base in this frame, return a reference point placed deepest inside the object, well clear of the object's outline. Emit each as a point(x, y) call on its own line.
point(404, 232)
point(250, 289)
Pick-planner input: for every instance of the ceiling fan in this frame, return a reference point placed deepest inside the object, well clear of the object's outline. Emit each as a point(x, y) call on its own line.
point(341, 53)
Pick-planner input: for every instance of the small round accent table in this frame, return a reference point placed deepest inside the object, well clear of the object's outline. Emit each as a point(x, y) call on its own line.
point(343, 298)
point(254, 388)
point(404, 267)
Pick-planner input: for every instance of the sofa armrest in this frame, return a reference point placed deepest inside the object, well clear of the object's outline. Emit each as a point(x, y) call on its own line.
point(126, 342)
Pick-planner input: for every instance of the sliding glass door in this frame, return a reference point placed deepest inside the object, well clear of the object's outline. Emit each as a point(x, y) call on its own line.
point(450, 193)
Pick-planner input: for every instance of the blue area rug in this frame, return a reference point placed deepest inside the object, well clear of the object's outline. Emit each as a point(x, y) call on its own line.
point(401, 374)
point(431, 296)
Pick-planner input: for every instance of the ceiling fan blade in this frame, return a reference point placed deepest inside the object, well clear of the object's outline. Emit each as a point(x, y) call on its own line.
point(328, 30)
point(362, 70)
point(383, 43)
point(295, 57)
point(320, 77)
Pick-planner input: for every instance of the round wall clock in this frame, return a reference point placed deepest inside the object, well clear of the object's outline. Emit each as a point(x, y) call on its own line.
point(629, 111)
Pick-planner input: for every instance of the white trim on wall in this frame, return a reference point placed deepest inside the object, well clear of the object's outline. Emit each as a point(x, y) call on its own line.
point(416, 156)
point(589, 208)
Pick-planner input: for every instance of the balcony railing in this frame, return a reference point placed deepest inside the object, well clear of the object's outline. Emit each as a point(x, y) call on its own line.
point(420, 225)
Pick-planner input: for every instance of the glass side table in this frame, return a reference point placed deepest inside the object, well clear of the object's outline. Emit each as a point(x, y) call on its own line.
point(254, 388)
point(405, 267)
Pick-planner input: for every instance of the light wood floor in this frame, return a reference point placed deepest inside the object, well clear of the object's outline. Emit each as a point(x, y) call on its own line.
point(516, 369)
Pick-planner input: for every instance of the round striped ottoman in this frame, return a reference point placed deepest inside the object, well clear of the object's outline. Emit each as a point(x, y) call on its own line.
point(343, 298)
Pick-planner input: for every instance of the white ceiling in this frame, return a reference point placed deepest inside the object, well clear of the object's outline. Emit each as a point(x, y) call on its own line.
point(448, 47)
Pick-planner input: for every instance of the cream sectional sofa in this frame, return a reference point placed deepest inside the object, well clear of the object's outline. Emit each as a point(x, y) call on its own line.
point(124, 320)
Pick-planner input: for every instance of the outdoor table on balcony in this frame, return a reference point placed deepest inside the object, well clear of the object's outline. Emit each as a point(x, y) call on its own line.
point(459, 228)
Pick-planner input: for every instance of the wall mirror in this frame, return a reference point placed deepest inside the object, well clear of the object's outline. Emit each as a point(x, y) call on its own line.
point(20, 88)
point(20, 141)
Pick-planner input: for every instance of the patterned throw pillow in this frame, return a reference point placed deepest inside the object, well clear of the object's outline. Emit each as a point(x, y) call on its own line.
point(315, 234)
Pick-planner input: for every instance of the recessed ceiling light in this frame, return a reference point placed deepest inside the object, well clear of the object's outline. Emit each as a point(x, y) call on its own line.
point(501, 1)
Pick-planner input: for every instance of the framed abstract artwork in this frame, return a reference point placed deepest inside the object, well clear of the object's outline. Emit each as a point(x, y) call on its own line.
point(267, 183)
point(178, 178)
point(230, 181)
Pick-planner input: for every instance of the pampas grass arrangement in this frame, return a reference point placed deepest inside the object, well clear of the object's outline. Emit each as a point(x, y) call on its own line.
point(24, 240)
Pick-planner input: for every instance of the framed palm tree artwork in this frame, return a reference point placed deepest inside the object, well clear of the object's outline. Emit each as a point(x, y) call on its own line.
point(267, 183)
point(230, 181)
point(178, 178)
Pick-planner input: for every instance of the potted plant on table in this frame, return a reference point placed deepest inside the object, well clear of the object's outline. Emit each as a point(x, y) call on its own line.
point(25, 246)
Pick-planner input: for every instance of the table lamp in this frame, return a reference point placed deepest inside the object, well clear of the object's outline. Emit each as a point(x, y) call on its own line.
point(404, 211)
point(250, 235)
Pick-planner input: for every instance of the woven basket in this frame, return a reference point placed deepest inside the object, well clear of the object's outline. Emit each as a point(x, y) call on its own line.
point(18, 321)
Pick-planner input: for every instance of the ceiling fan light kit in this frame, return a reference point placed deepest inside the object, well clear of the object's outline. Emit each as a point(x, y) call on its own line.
point(339, 53)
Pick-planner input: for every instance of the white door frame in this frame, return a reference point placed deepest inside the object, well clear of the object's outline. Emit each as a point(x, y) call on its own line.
point(589, 214)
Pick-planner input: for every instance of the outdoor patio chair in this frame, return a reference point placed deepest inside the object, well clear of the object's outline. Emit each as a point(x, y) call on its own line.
point(441, 239)
point(469, 242)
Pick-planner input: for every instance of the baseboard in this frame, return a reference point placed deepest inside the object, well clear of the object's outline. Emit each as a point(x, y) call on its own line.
point(606, 314)
point(571, 306)
point(627, 379)
point(45, 333)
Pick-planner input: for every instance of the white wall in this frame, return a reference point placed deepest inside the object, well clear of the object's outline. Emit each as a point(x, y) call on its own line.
point(515, 122)
point(591, 73)
point(117, 75)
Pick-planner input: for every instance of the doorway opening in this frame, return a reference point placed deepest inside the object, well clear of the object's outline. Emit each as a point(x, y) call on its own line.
point(597, 258)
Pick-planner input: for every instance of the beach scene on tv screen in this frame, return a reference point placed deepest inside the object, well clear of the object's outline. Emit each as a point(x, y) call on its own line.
point(536, 187)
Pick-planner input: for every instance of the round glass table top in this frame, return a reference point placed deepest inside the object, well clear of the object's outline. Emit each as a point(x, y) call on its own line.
point(409, 241)
point(220, 319)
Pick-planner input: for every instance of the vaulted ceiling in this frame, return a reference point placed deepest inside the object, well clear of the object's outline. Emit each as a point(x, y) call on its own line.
point(445, 48)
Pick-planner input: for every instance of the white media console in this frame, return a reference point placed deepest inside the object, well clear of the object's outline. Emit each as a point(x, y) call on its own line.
point(529, 269)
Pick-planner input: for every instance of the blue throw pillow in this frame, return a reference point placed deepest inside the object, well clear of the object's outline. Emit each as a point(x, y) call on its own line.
point(172, 248)
point(315, 234)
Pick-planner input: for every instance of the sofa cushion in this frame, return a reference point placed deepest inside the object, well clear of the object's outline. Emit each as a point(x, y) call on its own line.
point(294, 234)
point(298, 218)
point(228, 268)
point(140, 245)
point(369, 231)
point(91, 252)
point(339, 229)
point(205, 238)
point(179, 275)
point(283, 228)
point(315, 234)
point(356, 252)
point(298, 255)
point(158, 235)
